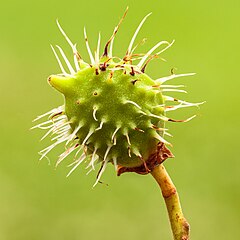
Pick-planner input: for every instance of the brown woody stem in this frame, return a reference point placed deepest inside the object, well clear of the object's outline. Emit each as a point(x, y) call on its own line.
point(179, 224)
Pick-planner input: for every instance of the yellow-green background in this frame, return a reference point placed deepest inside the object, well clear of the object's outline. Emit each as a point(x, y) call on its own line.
point(39, 203)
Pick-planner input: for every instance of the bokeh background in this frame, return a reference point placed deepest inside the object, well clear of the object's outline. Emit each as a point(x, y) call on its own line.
point(37, 202)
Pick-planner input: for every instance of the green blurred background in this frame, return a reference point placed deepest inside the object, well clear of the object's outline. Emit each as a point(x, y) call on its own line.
point(37, 202)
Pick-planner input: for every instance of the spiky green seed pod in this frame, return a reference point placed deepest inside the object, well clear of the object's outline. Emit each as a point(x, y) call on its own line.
point(113, 111)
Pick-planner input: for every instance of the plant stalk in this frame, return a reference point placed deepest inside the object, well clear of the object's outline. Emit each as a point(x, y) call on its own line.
point(179, 225)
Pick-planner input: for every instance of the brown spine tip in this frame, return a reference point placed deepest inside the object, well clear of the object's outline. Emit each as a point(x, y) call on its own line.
point(105, 53)
point(102, 67)
point(111, 75)
point(56, 114)
point(174, 120)
point(156, 128)
point(139, 130)
point(147, 62)
point(134, 81)
point(172, 71)
point(78, 56)
point(155, 86)
point(132, 71)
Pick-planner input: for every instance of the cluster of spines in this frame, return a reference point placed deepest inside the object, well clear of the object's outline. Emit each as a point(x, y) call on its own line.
point(58, 123)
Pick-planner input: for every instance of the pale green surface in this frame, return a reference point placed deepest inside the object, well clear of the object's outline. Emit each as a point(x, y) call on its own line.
point(37, 202)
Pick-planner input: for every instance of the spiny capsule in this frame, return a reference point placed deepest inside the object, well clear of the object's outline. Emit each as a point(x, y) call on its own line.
point(113, 111)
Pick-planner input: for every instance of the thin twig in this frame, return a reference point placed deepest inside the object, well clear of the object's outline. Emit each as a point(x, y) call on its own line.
point(179, 224)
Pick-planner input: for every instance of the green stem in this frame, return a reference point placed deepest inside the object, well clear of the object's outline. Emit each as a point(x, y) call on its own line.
point(179, 224)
